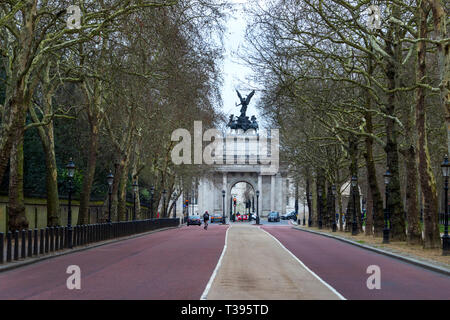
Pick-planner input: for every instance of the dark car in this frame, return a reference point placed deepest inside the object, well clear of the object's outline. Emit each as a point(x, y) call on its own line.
point(194, 220)
point(274, 217)
point(216, 217)
point(290, 215)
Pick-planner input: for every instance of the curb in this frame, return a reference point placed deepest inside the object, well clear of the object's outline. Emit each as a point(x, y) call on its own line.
point(14, 265)
point(416, 262)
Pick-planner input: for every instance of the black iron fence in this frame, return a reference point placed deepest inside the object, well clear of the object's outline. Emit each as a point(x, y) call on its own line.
point(38, 242)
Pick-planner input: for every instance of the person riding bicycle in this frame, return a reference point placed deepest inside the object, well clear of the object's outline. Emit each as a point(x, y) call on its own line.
point(205, 219)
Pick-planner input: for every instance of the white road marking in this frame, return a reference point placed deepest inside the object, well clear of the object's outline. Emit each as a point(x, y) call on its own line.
point(304, 266)
point(213, 276)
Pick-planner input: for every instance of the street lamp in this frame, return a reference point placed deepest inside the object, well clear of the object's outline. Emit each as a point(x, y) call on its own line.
point(164, 202)
point(109, 180)
point(386, 230)
point(304, 212)
point(223, 206)
point(320, 208)
point(309, 211)
point(354, 224)
point(257, 207)
point(135, 190)
point(70, 173)
point(152, 193)
point(445, 238)
point(334, 192)
point(174, 199)
point(296, 204)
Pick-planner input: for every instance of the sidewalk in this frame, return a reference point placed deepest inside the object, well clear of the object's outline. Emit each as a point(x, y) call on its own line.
point(432, 257)
point(256, 267)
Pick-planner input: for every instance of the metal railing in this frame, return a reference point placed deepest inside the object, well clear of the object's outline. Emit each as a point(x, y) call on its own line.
point(24, 244)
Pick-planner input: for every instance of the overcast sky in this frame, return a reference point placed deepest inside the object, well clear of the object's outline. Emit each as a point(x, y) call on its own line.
point(235, 73)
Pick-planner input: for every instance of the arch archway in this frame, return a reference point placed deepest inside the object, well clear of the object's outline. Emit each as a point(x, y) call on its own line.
point(244, 192)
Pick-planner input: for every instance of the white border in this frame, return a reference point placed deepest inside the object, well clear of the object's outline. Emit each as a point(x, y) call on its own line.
point(304, 266)
point(213, 276)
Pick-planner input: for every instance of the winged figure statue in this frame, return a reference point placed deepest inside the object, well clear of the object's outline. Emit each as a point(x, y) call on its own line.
point(244, 102)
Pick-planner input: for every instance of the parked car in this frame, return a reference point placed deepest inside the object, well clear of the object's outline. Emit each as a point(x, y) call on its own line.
point(216, 217)
point(194, 220)
point(274, 217)
point(291, 215)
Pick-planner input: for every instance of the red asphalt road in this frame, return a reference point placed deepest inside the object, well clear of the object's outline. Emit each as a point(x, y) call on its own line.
point(343, 266)
point(172, 264)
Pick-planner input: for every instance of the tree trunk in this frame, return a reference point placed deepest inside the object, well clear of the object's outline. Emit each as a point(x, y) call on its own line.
point(341, 223)
point(88, 179)
point(17, 91)
point(51, 176)
point(122, 201)
point(46, 135)
point(396, 211)
point(369, 214)
point(321, 200)
point(427, 181)
point(443, 55)
point(331, 209)
point(353, 169)
point(375, 195)
point(414, 235)
point(16, 206)
point(308, 199)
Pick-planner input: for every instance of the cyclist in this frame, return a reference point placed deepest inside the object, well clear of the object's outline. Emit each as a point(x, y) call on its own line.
point(205, 219)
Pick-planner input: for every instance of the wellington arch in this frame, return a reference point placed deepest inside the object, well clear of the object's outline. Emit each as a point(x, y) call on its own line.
point(243, 140)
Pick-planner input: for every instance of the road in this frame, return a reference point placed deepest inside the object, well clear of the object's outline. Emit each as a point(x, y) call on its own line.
point(172, 264)
point(273, 261)
point(344, 267)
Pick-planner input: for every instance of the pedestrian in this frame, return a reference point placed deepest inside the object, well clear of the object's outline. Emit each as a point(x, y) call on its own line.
point(205, 219)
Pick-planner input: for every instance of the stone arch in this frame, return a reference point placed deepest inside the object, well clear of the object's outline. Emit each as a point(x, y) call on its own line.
point(252, 180)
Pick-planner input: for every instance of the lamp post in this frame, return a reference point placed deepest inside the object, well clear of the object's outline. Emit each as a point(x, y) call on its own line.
point(135, 190)
point(386, 230)
point(253, 204)
point(110, 180)
point(257, 207)
point(445, 238)
point(304, 212)
point(174, 199)
point(320, 208)
point(223, 206)
point(334, 192)
point(152, 193)
point(296, 204)
point(164, 202)
point(70, 173)
point(309, 211)
point(354, 223)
